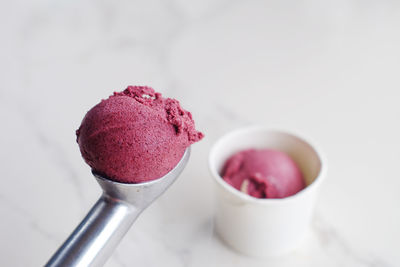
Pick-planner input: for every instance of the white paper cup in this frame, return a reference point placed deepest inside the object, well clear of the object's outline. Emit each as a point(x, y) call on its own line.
point(265, 227)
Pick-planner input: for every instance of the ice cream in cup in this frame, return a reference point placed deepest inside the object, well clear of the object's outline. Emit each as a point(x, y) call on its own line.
point(266, 220)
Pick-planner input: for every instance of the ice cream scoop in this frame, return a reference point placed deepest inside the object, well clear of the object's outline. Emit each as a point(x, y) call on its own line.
point(263, 173)
point(137, 144)
point(96, 237)
point(136, 135)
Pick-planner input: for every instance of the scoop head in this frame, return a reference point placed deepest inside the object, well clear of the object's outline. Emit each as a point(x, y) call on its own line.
point(143, 194)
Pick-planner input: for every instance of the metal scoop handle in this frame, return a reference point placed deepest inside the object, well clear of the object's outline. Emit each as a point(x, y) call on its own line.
point(96, 237)
point(94, 240)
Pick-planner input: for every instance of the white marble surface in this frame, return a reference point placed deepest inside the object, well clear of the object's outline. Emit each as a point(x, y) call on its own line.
point(329, 70)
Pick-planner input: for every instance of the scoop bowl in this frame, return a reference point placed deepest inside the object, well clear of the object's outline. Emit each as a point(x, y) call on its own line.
point(96, 237)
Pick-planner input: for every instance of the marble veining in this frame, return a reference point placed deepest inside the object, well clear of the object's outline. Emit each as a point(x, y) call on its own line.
point(326, 69)
point(336, 245)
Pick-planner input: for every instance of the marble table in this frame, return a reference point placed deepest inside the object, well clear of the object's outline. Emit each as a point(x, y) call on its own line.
point(326, 69)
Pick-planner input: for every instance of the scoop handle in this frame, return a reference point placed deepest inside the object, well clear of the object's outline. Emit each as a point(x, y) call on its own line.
point(96, 237)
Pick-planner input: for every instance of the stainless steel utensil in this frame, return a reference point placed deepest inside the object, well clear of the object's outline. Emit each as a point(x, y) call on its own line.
point(96, 237)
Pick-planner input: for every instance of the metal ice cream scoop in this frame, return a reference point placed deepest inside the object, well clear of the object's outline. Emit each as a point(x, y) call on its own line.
point(96, 237)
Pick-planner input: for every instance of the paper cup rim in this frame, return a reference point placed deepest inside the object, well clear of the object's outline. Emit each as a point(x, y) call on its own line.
point(266, 201)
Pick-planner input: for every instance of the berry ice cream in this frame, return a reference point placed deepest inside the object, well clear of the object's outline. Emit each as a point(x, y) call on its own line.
point(263, 173)
point(136, 135)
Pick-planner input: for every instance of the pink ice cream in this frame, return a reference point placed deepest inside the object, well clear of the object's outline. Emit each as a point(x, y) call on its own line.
point(263, 173)
point(136, 135)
